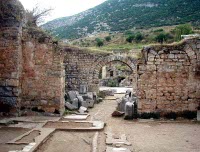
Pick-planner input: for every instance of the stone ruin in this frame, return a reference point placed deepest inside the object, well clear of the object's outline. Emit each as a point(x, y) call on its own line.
point(36, 72)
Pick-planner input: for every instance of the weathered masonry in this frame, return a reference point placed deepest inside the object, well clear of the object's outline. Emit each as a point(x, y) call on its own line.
point(83, 67)
point(169, 77)
point(31, 71)
point(35, 72)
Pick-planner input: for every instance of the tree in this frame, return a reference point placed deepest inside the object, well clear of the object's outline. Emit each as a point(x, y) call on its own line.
point(107, 38)
point(130, 38)
point(138, 37)
point(162, 37)
point(36, 15)
point(184, 29)
point(99, 42)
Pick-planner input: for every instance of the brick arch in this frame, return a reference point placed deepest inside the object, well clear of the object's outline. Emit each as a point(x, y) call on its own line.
point(102, 61)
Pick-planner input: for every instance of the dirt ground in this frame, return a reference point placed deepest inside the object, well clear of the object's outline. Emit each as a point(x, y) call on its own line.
point(62, 141)
point(8, 134)
point(145, 136)
point(149, 136)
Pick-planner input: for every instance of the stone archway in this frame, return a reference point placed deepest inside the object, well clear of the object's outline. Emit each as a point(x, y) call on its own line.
point(100, 62)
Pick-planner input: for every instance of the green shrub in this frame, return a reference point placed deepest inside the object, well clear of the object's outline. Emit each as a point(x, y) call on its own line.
point(108, 38)
point(130, 38)
point(138, 37)
point(99, 42)
point(184, 29)
point(162, 37)
point(112, 83)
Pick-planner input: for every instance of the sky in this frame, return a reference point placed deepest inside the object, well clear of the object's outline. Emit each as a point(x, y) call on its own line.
point(62, 8)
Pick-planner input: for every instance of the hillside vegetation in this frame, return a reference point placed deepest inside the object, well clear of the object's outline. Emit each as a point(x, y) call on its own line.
point(120, 15)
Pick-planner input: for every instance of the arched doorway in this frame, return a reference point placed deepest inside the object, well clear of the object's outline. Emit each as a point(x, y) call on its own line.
point(103, 61)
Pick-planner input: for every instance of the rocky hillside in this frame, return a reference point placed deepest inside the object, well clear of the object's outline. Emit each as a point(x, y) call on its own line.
point(121, 15)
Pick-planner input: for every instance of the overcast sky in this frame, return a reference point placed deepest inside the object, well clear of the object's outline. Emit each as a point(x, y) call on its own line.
point(62, 8)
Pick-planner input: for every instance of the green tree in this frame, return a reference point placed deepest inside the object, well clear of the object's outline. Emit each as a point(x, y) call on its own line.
point(130, 38)
point(99, 42)
point(182, 30)
point(138, 37)
point(162, 37)
point(108, 38)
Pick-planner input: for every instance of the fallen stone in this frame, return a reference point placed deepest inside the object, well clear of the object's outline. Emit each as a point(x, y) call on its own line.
point(70, 106)
point(117, 114)
point(90, 103)
point(100, 100)
point(112, 149)
point(82, 109)
point(76, 117)
point(129, 110)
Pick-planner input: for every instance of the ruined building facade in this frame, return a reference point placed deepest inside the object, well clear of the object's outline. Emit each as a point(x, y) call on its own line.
point(35, 72)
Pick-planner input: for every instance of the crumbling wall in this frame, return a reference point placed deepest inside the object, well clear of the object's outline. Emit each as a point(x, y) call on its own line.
point(78, 64)
point(168, 78)
point(83, 67)
point(31, 69)
point(11, 22)
point(42, 80)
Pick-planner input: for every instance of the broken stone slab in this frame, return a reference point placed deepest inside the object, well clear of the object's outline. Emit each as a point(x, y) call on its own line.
point(117, 113)
point(75, 125)
point(72, 95)
point(110, 98)
point(114, 149)
point(70, 106)
point(100, 100)
point(95, 142)
point(90, 103)
point(6, 122)
point(82, 102)
point(82, 109)
point(31, 147)
point(75, 103)
point(76, 117)
point(111, 139)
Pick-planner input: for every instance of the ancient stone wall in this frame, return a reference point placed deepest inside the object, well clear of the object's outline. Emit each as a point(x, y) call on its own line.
point(11, 22)
point(31, 69)
point(78, 64)
point(169, 79)
point(83, 67)
point(42, 80)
